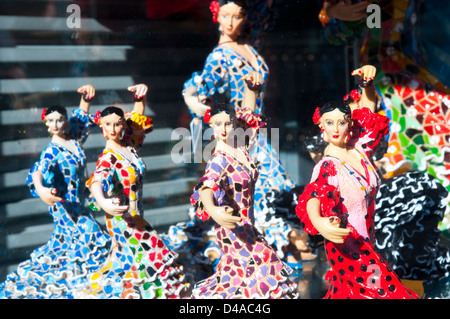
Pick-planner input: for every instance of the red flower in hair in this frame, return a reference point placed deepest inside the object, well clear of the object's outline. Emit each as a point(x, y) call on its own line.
point(43, 113)
point(316, 116)
point(355, 95)
point(97, 117)
point(207, 116)
point(214, 7)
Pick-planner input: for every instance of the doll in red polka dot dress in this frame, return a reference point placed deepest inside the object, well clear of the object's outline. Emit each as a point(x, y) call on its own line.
point(340, 200)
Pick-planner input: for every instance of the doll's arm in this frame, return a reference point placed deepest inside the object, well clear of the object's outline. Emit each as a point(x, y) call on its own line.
point(46, 194)
point(88, 92)
point(107, 204)
point(368, 95)
point(140, 95)
point(328, 227)
point(221, 214)
point(194, 101)
point(253, 84)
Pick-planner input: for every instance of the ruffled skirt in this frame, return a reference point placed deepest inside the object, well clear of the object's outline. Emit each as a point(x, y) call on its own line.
point(140, 265)
point(248, 269)
point(54, 270)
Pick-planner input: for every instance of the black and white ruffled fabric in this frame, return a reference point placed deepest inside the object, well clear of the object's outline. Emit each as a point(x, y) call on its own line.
point(278, 218)
point(408, 210)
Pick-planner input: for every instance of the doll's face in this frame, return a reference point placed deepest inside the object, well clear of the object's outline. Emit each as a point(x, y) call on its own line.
point(336, 127)
point(230, 19)
point(222, 126)
point(57, 123)
point(113, 126)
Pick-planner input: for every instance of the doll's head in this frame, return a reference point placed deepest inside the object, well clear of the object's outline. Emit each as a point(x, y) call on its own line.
point(230, 15)
point(334, 120)
point(223, 107)
point(215, 6)
point(221, 119)
point(112, 110)
point(112, 122)
point(55, 108)
point(240, 3)
point(55, 117)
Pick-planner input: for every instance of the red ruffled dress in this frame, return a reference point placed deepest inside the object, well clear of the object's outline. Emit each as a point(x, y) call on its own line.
point(357, 271)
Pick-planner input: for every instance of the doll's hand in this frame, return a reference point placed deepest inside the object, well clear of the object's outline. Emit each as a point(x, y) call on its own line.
point(366, 73)
point(110, 206)
point(88, 92)
point(346, 11)
point(140, 90)
point(329, 228)
point(253, 80)
point(48, 195)
point(223, 216)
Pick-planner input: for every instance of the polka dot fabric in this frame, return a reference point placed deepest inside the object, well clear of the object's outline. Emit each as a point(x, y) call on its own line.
point(357, 271)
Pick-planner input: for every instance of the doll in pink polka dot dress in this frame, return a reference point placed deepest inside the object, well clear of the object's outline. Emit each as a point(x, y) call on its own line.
point(340, 200)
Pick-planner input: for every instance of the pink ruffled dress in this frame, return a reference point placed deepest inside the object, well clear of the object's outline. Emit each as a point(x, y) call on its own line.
point(357, 271)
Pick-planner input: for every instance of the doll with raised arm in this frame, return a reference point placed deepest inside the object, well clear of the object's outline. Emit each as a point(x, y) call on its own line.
point(340, 200)
point(412, 79)
point(139, 265)
point(241, 25)
point(77, 244)
point(248, 267)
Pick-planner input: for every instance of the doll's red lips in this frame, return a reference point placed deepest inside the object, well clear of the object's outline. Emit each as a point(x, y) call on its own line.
point(335, 136)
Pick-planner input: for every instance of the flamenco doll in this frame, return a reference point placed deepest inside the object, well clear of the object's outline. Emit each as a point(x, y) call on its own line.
point(77, 244)
point(241, 26)
point(139, 264)
point(248, 268)
point(340, 200)
point(412, 79)
point(408, 203)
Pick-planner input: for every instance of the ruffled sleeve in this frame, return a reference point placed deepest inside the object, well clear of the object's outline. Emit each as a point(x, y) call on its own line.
point(368, 129)
point(51, 175)
point(81, 124)
point(213, 80)
point(250, 119)
point(138, 126)
point(211, 179)
point(325, 189)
